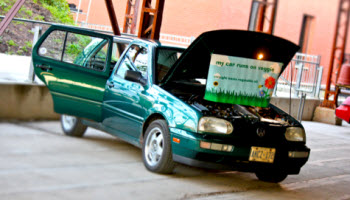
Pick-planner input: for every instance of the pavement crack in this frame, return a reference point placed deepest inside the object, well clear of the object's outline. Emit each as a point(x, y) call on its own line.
point(201, 195)
point(35, 128)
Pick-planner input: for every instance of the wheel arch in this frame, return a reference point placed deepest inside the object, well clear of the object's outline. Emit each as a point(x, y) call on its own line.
point(148, 121)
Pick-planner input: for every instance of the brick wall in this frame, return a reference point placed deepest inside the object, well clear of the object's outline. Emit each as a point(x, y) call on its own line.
point(192, 17)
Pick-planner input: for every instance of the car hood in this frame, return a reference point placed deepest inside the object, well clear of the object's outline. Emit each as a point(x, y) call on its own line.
point(196, 58)
point(233, 46)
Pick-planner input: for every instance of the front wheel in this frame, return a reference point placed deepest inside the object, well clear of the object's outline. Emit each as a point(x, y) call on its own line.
point(156, 149)
point(72, 126)
point(272, 176)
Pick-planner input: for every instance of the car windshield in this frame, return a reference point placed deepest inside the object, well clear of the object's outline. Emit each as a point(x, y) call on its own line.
point(166, 57)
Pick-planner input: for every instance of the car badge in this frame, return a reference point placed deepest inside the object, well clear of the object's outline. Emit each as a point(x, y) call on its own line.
point(261, 132)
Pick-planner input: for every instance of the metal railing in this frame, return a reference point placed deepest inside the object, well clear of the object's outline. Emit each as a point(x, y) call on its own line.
point(169, 38)
point(96, 26)
point(304, 74)
point(177, 39)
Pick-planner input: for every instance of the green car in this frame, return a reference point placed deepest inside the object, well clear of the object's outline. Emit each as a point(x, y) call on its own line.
point(205, 106)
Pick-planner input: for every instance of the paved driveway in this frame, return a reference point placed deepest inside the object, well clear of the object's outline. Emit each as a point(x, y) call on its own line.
point(38, 162)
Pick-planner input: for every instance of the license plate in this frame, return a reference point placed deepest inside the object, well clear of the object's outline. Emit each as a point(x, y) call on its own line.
point(262, 154)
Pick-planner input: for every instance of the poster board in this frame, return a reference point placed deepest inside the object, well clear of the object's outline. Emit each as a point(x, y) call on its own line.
point(243, 81)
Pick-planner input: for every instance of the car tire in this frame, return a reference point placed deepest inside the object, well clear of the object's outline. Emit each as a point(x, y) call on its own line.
point(72, 126)
point(272, 176)
point(156, 148)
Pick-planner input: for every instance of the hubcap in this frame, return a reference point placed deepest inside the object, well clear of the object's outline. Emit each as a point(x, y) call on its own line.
point(154, 146)
point(68, 121)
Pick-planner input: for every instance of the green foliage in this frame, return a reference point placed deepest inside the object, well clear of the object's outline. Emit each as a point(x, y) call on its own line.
point(1, 39)
point(59, 10)
point(12, 43)
point(77, 49)
point(19, 52)
point(39, 17)
point(29, 13)
point(76, 44)
point(5, 6)
point(57, 40)
point(73, 49)
point(10, 52)
point(24, 49)
point(22, 9)
point(83, 40)
point(28, 44)
point(17, 22)
point(30, 31)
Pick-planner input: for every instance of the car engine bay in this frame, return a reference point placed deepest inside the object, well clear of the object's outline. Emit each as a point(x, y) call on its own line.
point(231, 112)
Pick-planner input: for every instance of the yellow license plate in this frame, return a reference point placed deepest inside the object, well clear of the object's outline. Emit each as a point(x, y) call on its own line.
point(262, 154)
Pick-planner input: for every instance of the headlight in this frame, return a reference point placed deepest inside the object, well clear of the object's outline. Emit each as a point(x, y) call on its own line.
point(296, 134)
point(214, 125)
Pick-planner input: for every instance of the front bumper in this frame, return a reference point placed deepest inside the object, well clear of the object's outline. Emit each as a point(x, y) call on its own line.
point(186, 149)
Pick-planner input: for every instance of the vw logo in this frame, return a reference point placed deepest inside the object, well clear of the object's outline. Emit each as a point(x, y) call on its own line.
point(261, 132)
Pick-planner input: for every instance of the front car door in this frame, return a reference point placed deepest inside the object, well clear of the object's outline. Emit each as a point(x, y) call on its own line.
point(74, 64)
point(124, 102)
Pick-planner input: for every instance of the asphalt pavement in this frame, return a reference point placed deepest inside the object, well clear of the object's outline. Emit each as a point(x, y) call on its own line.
point(38, 162)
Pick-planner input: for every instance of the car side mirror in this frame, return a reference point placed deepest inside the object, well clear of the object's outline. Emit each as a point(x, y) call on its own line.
point(135, 76)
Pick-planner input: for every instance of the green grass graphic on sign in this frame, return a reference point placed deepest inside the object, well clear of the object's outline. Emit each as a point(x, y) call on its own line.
point(236, 98)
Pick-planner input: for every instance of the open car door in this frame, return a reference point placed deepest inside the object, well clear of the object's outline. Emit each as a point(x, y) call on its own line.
point(74, 64)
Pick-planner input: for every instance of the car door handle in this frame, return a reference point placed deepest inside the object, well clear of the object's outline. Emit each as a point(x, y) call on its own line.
point(44, 67)
point(110, 84)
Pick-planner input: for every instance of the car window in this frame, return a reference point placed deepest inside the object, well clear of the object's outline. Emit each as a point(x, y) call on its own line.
point(52, 47)
point(78, 49)
point(166, 57)
point(136, 58)
point(86, 51)
point(124, 66)
point(117, 50)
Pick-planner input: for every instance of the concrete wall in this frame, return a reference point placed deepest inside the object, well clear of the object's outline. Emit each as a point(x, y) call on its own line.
point(26, 102)
point(309, 108)
point(34, 102)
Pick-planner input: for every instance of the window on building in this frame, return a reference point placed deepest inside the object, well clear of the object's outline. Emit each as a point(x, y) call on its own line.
point(305, 34)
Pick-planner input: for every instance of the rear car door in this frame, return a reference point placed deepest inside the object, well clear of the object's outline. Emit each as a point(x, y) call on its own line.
point(74, 64)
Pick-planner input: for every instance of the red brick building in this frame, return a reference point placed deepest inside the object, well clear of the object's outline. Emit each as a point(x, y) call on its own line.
point(190, 18)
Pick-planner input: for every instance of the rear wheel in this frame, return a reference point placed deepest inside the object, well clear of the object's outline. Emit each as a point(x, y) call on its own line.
point(72, 126)
point(272, 176)
point(156, 149)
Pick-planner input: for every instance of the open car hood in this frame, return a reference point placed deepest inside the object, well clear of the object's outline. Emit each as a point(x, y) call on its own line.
point(230, 47)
